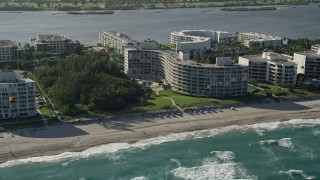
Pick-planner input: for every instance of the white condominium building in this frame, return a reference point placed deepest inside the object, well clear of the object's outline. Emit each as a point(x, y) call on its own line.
point(271, 67)
point(315, 47)
point(308, 63)
point(115, 40)
point(256, 40)
point(196, 40)
point(186, 76)
point(17, 96)
point(11, 51)
point(54, 43)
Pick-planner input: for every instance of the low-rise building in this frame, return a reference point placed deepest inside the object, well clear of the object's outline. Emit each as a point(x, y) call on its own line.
point(271, 67)
point(256, 40)
point(11, 51)
point(17, 96)
point(308, 63)
point(186, 76)
point(194, 41)
point(54, 43)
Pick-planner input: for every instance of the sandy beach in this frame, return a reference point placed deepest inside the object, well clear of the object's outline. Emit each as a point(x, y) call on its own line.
point(51, 140)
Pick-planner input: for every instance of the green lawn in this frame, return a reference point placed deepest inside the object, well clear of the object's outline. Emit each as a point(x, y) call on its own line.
point(46, 112)
point(153, 103)
point(185, 100)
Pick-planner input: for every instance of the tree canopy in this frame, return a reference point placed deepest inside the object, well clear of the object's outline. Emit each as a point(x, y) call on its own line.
point(91, 79)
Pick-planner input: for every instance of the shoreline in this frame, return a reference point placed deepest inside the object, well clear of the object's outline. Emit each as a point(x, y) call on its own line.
point(79, 9)
point(75, 137)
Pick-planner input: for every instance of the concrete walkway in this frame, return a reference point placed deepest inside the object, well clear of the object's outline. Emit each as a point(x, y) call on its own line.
point(45, 121)
point(173, 103)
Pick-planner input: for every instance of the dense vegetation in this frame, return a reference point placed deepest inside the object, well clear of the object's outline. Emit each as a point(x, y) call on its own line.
point(90, 12)
point(249, 9)
point(92, 80)
point(297, 45)
point(73, 5)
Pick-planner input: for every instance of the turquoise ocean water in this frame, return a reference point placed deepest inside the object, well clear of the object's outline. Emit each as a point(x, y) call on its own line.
point(286, 150)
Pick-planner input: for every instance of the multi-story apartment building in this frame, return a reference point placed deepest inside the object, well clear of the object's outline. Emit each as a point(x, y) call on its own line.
point(271, 67)
point(186, 76)
point(308, 63)
point(10, 51)
point(315, 47)
point(196, 40)
point(17, 96)
point(115, 40)
point(256, 40)
point(54, 43)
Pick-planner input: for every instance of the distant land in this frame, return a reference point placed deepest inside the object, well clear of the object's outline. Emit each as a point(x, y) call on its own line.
point(249, 9)
point(90, 12)
point(133, 4)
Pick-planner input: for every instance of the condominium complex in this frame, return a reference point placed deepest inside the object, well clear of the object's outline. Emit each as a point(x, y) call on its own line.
point(256, 40)
point(315, 47)
point(10, 51)
point(17, 96)
point(115, 40)
point(308, 63)
point(186, 76)
point(196, 40)
point(271, 67)
point(54, 43)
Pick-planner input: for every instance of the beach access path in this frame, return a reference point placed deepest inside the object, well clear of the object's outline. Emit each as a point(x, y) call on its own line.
point(52, 140)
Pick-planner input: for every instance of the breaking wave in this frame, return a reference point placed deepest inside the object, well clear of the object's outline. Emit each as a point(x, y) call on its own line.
point(115, 147)
point(219, 166)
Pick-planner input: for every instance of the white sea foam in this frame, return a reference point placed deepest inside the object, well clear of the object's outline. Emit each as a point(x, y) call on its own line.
point(224, 156)
point(301, 150)
point(219, 166)
point(316, 132)
point(103, 149)
point(293, 172)
point(260, 132)
point(65, 164)
point(286, 143)
point(267, 142)
point(114, 147)
point(176, 161)
point(140, 178)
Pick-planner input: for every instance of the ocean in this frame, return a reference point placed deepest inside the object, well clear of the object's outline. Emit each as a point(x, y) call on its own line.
point(278, 150)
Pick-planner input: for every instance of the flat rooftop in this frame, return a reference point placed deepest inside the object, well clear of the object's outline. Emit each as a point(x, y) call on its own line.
point(281, 59)
point(309, 53)
point(7, 43)
point(120, 35)
point(55, 37)
point(13, 77)
point(261, 36)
